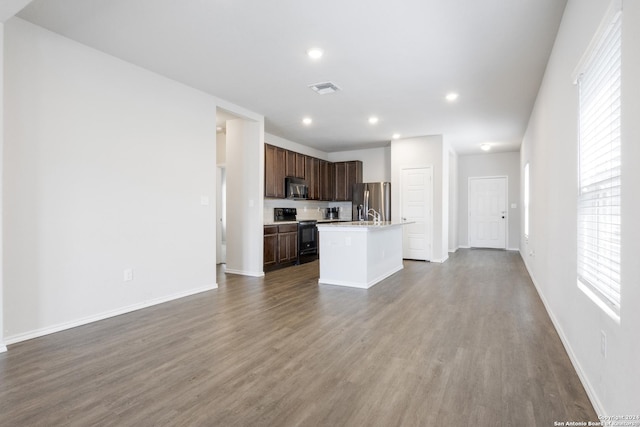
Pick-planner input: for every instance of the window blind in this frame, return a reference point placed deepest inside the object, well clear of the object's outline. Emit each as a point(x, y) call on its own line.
point(599, 221)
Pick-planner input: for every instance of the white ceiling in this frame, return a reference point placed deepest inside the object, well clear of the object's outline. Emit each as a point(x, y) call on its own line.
point(396, 60)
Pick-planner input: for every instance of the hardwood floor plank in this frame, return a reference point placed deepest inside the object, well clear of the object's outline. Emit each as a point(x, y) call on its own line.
point(467, 342)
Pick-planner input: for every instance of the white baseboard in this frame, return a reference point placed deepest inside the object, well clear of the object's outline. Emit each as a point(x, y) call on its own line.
point(513, 249)
point(441, 260)
point(360, 285)
point(454, 250)
point(593, 397)
point(3, 348)
point(244, 273)
point(464, 247)
point(104, 315)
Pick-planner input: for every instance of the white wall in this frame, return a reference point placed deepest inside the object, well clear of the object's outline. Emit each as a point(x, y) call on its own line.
point(418, 152)
point(2, 345)
point(550, 145)
point(104, 167)
point(495, 164)
point(245, 193)
point(376, 162)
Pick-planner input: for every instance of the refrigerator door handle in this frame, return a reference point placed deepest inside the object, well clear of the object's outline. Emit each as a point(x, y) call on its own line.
point(366, 203)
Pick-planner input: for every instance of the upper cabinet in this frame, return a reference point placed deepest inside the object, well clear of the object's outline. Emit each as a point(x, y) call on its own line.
point(312, 176)
point(346, 174)
point(327, 171)
point(295, 165)
point(274, 171)
point(325, 180)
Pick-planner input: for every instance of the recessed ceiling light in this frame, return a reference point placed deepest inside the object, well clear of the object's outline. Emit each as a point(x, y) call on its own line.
point(396, 136)
point(485, 147)
point(315, 53)
point(451, 96)
point(373, 120)
point(307, 121)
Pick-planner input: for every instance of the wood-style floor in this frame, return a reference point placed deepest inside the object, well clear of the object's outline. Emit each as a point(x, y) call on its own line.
point(463, 343)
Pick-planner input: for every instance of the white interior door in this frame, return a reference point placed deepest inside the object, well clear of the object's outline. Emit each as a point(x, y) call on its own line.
point(488, 212)
point(416, 204)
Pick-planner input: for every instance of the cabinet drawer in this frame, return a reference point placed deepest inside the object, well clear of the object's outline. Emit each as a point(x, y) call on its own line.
point(287, 228)
point(270, 229)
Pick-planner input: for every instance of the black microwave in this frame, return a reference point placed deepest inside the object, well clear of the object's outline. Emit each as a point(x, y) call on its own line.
point(295, 188)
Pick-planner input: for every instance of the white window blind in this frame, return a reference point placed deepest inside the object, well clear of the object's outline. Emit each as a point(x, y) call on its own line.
point(599, 221)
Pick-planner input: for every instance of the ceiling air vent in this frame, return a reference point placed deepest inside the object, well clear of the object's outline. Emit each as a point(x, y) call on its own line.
point(324, 88)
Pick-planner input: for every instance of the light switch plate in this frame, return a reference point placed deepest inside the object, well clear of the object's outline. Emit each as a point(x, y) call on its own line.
point(513, 206)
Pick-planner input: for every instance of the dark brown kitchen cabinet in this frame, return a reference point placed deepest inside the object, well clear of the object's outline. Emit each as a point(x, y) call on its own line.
point(312, 170)
point(346, 174)
point(280, 246)
point(287, 243)
point(325, 180)
point(274, 171)
point(326, 176)
point(295, 164)
point(270, 258)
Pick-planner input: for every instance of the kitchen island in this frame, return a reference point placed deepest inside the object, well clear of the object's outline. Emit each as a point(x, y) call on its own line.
point(359, 254)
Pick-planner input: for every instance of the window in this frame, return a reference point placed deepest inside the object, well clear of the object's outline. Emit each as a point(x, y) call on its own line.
point(526, 200)
point(599, 221)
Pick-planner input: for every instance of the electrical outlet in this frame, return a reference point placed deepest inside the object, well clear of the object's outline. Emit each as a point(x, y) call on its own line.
point(603, 344)
point(128, 274)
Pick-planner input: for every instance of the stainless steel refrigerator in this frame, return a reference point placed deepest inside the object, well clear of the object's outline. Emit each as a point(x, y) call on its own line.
point(371, 195)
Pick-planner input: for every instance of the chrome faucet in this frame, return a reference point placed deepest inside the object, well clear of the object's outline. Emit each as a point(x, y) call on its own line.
point(375, 215)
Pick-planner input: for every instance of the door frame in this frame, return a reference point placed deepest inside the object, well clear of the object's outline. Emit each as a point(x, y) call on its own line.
point(506, 206)
point(430, 217)
point(221, 204)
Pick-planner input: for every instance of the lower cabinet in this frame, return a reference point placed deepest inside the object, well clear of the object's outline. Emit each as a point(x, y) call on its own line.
point(280, 246)
point(270, 246)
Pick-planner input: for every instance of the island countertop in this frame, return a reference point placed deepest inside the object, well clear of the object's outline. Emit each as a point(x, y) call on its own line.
point(363, 225)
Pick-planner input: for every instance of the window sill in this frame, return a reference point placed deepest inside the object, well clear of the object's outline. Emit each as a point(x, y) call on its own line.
point(598, 301)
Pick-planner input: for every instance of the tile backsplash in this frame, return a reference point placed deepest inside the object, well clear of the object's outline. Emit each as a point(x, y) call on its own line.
point(307, 209)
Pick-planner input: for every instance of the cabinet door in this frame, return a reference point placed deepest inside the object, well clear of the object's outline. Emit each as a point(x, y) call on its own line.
point(295, 163)
point(270, 257)
point(327, 171)
point(300, 166)
point(274, 171)
point(290, 163)
point(287, 247)
point(310, 175)
point(293, 246)
point(341, 181)
point(354, 176)
point(346, 174)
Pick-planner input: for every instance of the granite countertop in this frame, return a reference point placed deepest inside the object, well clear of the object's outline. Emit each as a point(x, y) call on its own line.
point(319, 221)
point(366, 224)
point(280, 222)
